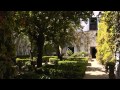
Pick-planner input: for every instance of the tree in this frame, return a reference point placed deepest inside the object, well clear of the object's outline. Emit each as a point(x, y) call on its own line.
point(43, 25)
point(107, 35)
point(62, 38)
point(65, 27)
point(105, 38)
point(7, 44)
point(7, 47)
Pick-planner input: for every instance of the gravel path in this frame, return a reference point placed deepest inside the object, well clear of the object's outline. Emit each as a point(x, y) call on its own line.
point(95, 71)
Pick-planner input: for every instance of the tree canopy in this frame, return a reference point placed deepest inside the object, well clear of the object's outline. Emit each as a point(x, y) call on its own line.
point(48, 25)
point(107, 34)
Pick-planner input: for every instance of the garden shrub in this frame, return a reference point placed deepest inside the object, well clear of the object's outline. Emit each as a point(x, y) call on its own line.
point(32, 75)
point(46, 58)
point(65, 57)
point(20, 64)
point(78, 59)
point(67, 70)
point(22, 60)
point(107, 57)
point(84, 54)
point(80, 54)
point(69, 52)
point(53, 60)
point(27, 63)
point(33, 63)
point(7, 70)
point(63, 70)
point(110, 66)
point(25, 59)
point(66, 62)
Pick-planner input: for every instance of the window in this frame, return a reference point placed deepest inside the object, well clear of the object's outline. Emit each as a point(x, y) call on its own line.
point(93, 24)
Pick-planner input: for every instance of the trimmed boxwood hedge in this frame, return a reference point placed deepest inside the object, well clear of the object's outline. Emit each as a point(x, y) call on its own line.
point(46, 58)
point(53, 60)
point(63, 70)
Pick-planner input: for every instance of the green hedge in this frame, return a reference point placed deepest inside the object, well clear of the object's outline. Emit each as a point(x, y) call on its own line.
point(7, 70)
point(22, 61)
point(66, 62)
point(80, 54)
point(32, 75)
point(77, 59)
point(25, 59)
point(64, 70)
point(53, 60)
point(46, 58)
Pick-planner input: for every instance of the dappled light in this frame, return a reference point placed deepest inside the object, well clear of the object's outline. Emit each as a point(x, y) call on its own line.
point(95, 71)
point(59, 44)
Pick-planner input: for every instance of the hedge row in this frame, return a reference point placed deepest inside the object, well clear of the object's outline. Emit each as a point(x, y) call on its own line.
point(63, 70)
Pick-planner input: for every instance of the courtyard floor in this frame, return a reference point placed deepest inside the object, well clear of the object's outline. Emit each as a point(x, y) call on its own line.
point(95, 71)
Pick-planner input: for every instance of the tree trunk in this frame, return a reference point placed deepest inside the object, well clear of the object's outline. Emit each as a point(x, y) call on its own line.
point(111, 72)
point(110, 67)
point(40, 44)
point(58, 53)
point(31, 51)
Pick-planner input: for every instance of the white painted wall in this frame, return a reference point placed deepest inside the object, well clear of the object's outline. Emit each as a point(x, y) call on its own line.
point(91, 36)
point(86, 25)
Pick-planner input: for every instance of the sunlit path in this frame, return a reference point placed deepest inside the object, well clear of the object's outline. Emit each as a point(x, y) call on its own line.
point(95, 71)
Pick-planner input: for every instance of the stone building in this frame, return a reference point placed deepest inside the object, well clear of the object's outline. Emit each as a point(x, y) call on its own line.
point(87, 42)
point(23, 45)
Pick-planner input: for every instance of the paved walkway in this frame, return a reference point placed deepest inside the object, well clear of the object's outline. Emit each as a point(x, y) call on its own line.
point(95, 71)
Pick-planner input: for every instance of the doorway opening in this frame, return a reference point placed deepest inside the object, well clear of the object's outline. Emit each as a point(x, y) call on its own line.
point(93, 52)
point(71, 48)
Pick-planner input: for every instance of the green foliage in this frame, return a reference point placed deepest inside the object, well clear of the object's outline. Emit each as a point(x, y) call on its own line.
point(32, 75)
point(7, 71)
point(27, 63)
point(64, 70)
point(83, 54)
point(69, 52)
point(25, 59)
point(77, 59)
point(7, 47)
point(68, 70)
point(107, 57)
point(79, 54)
point(48, 48)
point(53, 60)
point(21, 59)
point(46, 58)
point(66, 62)
point(55, 26)
point(106, 37)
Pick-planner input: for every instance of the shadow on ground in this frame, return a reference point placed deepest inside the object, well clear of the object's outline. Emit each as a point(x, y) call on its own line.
point(103, 76)
point(89, 64)
point(94, 69)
